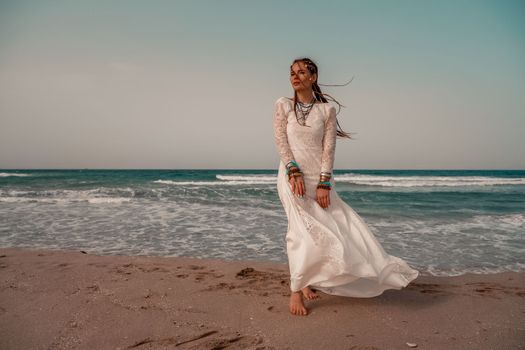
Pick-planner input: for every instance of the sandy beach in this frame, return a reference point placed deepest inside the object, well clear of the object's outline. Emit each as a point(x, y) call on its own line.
point(57, 299)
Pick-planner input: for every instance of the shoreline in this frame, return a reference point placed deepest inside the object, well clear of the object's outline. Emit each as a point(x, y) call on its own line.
point(67, 299)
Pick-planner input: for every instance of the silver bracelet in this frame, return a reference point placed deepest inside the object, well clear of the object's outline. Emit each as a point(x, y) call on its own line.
point(293, 162)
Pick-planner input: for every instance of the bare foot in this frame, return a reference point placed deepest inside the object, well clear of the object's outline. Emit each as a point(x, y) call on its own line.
point(296, 304)
point(309, 294)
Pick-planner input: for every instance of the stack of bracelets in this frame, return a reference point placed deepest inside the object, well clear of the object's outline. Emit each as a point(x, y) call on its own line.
point(292, 169)
point(324, 181)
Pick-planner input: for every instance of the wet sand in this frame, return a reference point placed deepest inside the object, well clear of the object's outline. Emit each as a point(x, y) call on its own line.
point(58, 299)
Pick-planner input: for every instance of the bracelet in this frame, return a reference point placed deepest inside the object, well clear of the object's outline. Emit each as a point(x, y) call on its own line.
point(292, 169)
point(324, 184)
point(293, 163)
point(295, 172)
point(325, 176)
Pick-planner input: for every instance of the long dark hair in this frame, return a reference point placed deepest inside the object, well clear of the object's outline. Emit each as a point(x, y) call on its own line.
point(318, 94)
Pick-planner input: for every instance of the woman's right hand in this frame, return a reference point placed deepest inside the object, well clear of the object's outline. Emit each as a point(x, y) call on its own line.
point(298, 187)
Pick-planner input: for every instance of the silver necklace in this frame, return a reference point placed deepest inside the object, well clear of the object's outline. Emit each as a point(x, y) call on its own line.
point(304, 111)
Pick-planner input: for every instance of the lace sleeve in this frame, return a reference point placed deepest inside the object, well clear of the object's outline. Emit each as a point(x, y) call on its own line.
point(280, 122)
point(329, 139)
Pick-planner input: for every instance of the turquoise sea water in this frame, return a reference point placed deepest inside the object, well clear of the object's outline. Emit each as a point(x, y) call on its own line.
point(444, 222)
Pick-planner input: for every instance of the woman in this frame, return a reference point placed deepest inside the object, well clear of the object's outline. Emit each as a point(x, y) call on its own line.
point(330, 248)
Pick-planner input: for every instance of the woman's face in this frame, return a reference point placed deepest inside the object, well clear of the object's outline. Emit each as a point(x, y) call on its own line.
point(300, 77)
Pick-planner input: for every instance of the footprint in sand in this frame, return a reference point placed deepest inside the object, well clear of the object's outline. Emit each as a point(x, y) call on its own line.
point(196, 267)
point(92, 289)
point(493, 289)
point(212, 339)
point(101, 265)
point(429, 288)
point(252, 281)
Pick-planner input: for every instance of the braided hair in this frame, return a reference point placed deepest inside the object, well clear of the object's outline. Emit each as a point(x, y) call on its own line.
point(318, 94)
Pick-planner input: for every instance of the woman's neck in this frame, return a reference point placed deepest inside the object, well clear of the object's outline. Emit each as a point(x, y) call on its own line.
point(305, 96)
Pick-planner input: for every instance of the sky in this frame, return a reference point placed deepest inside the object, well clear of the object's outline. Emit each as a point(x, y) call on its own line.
point(192, 84)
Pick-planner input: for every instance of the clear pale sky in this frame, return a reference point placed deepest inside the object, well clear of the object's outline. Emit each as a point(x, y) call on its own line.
point(191, 84)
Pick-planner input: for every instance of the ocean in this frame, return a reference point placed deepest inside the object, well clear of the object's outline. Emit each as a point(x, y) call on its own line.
point(441, 222)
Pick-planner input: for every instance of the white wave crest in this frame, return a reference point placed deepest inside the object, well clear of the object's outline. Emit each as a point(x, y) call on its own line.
point(95, 196)
point(364, 180)
point(14, 174)
point(110, 200)
point(248, 178)
point(93, 200)
point(506, 220)
point(226, 180)
point(426, 181)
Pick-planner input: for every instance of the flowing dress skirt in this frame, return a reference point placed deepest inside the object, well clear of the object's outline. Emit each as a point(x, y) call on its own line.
point(333, 249)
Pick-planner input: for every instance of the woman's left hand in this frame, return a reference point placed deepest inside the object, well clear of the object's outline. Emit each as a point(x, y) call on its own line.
point(323, 197)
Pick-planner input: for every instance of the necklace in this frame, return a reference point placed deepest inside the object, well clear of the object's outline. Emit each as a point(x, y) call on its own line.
point(304, 110)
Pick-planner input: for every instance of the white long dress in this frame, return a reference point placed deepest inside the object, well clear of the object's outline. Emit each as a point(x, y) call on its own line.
point(333, 249)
